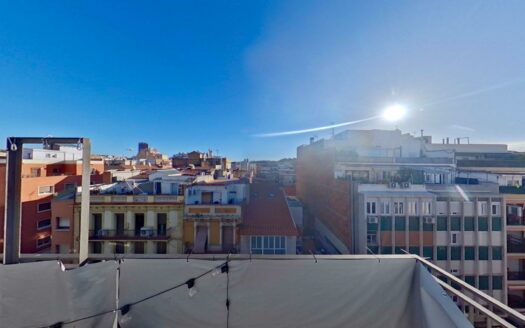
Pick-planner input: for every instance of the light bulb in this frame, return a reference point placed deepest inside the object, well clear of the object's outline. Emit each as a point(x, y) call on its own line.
point(192, 291)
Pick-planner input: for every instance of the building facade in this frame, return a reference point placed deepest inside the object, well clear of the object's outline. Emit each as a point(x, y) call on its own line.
point(212, 215)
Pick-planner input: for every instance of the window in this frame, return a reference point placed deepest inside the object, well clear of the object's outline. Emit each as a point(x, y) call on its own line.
point(434, 178)
point(484, 282)
point(413, 223)
point(412, 207)
point(35, 173)
point(495, 209)
point(386, 223)
point(42, 224)
point(400, 223)
point(268, 244)
point(482, 208)
point(496, 224)
point(399, 208)
point(413, 250)
point(455, 253)
point(97, 248)
point(428, 226)
point(398, 250)
point(441, 253)
point(471, 280)
point(426, 208)
point(370, 207)
point(455, 224)
point(42, 242)
point(139, 247)
point(371, 238)
point(62, 223)
point(483, 224)
point(470, 253)
point(442, 223)
point(483, 253)
point(373, 250)
point(42, 190)
point(428, 252)
point(497, 253)
point(371, 227)
point(119, 247)
point(386, 250)
point(469, 224)
point(385, 207)
point(42, 207)
point(454, 237)
point(497, 282)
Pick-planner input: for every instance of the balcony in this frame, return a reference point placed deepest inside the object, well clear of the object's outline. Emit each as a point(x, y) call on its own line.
point(213, 210)
point(516, 302)
point(515, 244)
point(135, 199)
point(518, 275)
point(105, 234)
point(515, 220)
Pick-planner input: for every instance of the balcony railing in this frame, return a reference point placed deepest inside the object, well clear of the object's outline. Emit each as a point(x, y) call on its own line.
point(513, 220)
point(516, 302)
point(515, 244)
point(516, 275)
point(515, 248)
point(105, 234)
point(135, 199)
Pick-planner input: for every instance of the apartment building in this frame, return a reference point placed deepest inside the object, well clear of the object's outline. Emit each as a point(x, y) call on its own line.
point(45, 172)
point(268, 226)
point(140, 215)
point(203, 160)
point(397, 193)
point(515, 205)
point(2, 196)
point(460, 229)
point(135, 224)
point(212, 215)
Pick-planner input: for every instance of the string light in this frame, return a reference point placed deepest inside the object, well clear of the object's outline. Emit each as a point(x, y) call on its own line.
point(191, 286)
point(124, 309)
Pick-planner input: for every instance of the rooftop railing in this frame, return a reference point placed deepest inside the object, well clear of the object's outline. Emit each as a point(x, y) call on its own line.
point(495, 312)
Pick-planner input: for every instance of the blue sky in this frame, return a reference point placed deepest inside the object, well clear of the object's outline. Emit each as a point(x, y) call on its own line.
point(185, 75)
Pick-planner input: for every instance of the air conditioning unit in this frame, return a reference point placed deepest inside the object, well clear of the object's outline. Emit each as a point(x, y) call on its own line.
point(429, 220)
point(405, 185)
point(454, 271)
point(103, 233)
point(373, 219)
point(392, 185)
point(146, 232)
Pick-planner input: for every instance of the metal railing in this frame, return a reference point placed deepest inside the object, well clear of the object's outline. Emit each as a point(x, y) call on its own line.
point(515, 275)
point(515, 220)
point(495, 312)
point(106, 234)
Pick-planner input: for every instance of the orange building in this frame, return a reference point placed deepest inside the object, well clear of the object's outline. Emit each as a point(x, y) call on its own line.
point(45, 172)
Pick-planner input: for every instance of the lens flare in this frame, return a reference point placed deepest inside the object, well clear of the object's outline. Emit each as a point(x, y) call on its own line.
point(394, 113)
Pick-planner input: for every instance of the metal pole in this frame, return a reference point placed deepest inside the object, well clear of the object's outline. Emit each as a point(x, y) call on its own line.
point(83, 247)
point(12, 218)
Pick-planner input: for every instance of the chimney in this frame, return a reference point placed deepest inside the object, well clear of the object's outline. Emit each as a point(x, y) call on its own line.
point(448, 140)
point(312, 140)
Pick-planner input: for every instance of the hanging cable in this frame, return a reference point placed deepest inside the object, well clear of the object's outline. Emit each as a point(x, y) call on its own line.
point(226, 269)
point(190, 283)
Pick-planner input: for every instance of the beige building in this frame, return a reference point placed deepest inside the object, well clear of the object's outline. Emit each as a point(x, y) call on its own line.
point(135, 224)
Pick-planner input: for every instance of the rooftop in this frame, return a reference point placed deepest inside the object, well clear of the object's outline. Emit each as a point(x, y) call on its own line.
point(267, 212)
